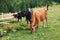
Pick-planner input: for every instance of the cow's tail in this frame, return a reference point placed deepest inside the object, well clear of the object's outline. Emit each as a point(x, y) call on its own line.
point(47, 4)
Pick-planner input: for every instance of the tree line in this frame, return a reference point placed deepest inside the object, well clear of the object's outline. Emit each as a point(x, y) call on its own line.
point(17, 5)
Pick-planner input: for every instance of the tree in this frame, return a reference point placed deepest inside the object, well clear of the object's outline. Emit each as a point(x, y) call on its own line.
point(17, 5)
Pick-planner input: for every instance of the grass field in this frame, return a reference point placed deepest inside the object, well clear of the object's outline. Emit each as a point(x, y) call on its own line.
point(50, 33)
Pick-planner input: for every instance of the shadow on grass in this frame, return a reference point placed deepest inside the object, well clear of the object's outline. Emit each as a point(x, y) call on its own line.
point(3, 20)
point(58, 19)
point(1, 25)
point(22, 28)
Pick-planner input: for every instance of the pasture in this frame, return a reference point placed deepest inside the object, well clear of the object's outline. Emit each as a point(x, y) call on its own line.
point(20, 30)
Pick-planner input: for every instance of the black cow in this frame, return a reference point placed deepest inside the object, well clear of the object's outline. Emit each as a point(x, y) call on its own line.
point(17, 16)
point(25, 13)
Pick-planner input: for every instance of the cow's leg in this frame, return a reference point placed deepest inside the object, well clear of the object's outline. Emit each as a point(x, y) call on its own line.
point(46, 19)
point(32, 24)
point(46, 22)
point(43, 24)
point(38, 23)
point(31, 28)
point(28, 23)
point(18, 19)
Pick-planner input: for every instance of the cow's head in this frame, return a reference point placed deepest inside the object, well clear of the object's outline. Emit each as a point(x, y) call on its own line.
point(15, 15)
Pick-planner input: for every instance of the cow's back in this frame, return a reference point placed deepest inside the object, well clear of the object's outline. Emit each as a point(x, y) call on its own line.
point(40, 13)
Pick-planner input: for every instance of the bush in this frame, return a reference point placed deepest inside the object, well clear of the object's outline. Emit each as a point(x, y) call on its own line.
point(2, 33)
point(7, 28)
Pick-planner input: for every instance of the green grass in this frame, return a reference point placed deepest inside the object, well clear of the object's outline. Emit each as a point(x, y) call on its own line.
point(4, 20)
point(50, 33)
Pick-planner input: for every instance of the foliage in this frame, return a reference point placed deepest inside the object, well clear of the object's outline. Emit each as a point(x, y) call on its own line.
point(17, 5)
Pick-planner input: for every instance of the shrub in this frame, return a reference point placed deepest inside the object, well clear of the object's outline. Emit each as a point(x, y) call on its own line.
point(2, 33)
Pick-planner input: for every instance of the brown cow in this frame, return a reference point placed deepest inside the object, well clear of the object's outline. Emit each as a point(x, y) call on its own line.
point(40, 14)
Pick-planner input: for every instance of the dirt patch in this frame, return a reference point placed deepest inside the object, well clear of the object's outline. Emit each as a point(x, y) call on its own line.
point(6, 16)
